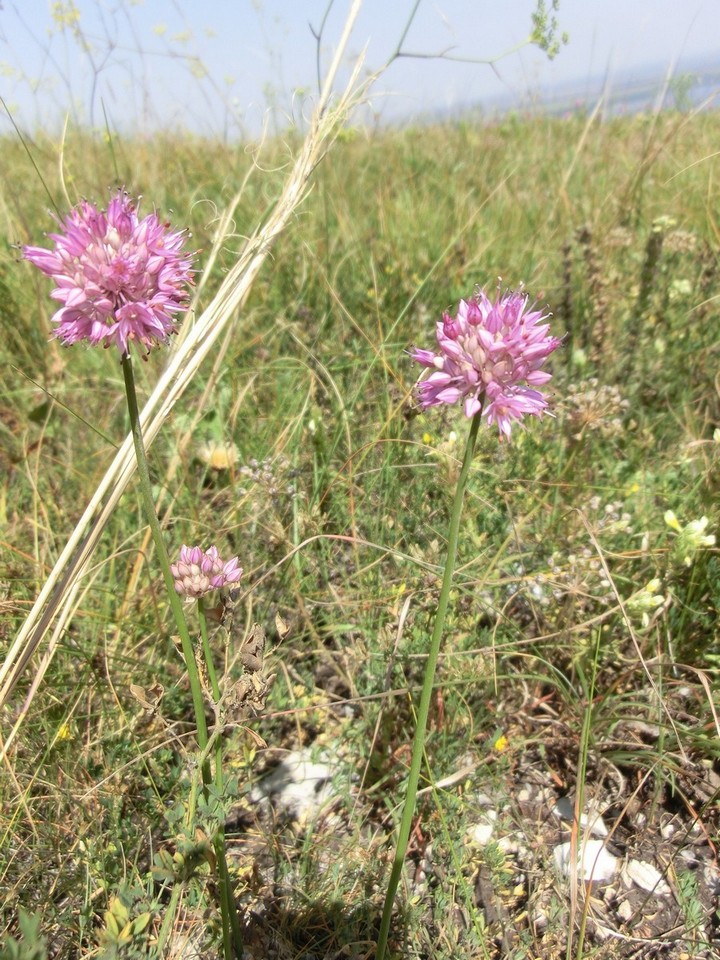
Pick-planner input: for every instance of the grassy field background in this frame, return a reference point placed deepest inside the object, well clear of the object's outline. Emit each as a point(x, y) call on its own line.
point(337, 506)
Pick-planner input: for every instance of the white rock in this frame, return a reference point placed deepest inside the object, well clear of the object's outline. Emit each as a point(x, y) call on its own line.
point(593, 860)
point(645, 876)
point(297, 786)
point(483, 799)
point(688, 855)
point(509, 844)
point(625, 910)
point(482, 832)
point(593, 822)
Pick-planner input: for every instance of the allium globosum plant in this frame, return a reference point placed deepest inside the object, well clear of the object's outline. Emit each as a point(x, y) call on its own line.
point(490, 357)
point(122, 281)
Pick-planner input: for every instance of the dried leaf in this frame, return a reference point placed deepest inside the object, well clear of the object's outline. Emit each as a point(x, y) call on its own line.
point(148, 698)
point(282, 628)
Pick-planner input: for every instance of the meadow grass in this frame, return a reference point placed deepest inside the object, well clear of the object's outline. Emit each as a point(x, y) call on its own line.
point(338, 507)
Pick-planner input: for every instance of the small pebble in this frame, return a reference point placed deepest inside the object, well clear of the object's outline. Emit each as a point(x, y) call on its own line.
point(593, 862)
point(646, 876)
point(625, 911)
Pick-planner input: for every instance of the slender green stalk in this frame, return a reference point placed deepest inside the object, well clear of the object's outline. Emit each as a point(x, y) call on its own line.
point(231, 931)
point(230, 922)
point(426, 694)
point(163, 558)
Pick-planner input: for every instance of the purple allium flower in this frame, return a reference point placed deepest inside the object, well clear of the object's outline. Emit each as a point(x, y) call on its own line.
point(197, 572)
point(486, 352)
point(119, 278)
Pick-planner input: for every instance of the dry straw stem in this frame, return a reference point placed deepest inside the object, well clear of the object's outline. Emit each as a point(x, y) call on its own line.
point(55, 604)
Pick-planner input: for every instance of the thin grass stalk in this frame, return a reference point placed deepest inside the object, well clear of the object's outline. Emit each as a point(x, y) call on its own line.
point(579, 805)
point(408, 811)
point(184, 364)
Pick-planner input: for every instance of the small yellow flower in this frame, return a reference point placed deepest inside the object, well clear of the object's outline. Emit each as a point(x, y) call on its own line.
point(672, 521)
point(218, 456)
point(644, 602)
point(691, 537)
point(64, 733)
point(501, 744)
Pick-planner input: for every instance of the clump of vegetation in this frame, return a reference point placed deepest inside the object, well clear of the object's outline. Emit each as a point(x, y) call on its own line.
point(581, 647)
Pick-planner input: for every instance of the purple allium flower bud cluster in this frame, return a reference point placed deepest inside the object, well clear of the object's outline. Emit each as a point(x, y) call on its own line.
point(198, 572)
point(487, 352)
point(119, 278)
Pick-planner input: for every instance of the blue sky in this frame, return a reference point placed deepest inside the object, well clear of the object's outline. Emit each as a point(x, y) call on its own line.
point(226, 66)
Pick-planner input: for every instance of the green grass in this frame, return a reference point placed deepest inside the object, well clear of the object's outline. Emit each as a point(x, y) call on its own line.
point(614, 227)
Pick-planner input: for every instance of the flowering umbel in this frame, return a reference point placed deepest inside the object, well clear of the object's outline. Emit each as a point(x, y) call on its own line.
point(490, 356)
point(119, 278)
point(198, 572)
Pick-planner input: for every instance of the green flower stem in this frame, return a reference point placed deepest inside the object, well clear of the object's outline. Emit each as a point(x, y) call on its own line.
point(229, 914)
point(151, 516)
point(230, 922)
point(212, 677)
point(408, 811)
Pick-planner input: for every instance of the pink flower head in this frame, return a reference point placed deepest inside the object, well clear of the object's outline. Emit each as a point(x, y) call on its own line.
point(490, 357)
point(118, 278)
point(197, 572)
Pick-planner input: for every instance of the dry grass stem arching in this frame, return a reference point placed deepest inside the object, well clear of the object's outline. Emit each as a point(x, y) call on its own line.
point(52, 603)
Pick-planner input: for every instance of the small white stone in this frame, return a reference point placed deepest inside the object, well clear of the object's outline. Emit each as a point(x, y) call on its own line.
point(508, 844)
point(625, 911)
point(593, 822)
point(483, 800)
point(646, 876)
point(593, 860)
point(482, 832)
point(297, 786)
point(667, 831)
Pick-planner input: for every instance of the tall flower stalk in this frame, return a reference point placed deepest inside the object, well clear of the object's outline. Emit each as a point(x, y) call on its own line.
point(490, 355)
point(121, 281)
point(215, 575)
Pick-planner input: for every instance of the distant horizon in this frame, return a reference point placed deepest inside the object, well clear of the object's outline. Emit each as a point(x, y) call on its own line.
point(624, 87)
point(636, 91)
point(227, 70)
